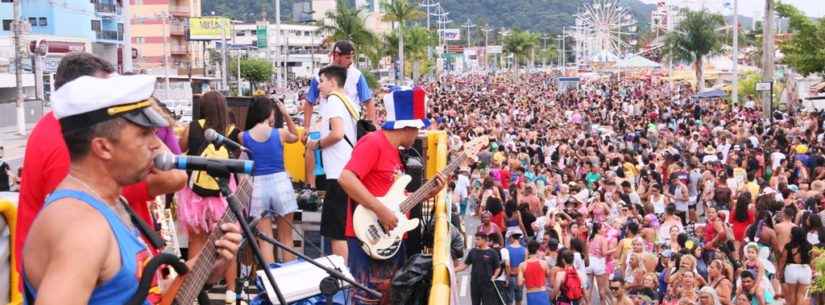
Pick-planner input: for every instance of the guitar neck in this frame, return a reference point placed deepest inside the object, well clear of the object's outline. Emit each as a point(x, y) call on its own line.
point(195, 279)
point(428, 187)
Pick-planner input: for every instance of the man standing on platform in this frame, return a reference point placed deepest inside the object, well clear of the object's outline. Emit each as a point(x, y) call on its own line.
point(374, 166)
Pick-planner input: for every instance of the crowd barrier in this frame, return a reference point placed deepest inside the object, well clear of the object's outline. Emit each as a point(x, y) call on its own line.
point(8, 293)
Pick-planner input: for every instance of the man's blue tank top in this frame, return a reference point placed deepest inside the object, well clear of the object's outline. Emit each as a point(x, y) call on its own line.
point(133, 253)
point(268, 156)
point(517, 255)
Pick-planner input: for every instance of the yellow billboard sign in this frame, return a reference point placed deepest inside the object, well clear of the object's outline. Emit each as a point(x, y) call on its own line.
point(209, 28)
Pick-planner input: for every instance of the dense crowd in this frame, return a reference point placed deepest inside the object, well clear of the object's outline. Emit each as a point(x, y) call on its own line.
point(648, 194)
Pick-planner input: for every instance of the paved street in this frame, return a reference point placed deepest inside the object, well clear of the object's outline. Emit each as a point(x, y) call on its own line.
point(14, 145)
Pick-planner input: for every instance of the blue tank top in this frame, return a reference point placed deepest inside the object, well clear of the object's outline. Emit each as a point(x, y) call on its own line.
point(517, 255)
point(133, 253)
point(268, 156)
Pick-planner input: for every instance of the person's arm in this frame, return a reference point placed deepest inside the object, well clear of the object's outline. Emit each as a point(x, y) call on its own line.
point(311, 99)
point(366, 98)
point(165, 182)
point(336, 134)
point(78, 246)
point(520, 280)
point(184, 139)
point(358, 192)
point(290, 134)
point(557, 284)
point(724, 290)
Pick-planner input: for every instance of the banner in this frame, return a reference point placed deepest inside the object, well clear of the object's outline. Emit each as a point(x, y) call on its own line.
point(451, 34)
point(494, 49)
point(209, 28)
point(261, 34)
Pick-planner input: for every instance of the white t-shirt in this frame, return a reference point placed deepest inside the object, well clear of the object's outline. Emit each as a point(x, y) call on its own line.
point(776, 159)
point(336, 156)
point(461, 185)
point(505, 259)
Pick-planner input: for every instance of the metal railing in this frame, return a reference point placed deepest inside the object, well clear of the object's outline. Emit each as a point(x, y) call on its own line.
point(109, 35)
point(109, 8)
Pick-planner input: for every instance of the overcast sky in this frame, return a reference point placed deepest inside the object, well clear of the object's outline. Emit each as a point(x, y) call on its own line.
point(813, 8)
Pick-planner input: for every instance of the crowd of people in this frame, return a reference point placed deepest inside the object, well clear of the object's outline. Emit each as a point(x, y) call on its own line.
point(615, 191)
point(649, 195)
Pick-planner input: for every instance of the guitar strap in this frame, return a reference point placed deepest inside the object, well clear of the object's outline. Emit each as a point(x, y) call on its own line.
point(152, 236)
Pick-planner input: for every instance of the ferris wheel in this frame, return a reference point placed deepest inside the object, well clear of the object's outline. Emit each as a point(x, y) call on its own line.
point(604, 31)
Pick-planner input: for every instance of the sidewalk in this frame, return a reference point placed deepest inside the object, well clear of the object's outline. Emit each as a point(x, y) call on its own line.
point(14, 144)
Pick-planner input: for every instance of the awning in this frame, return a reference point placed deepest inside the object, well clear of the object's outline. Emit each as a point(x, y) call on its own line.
point(637, 62)
point(711, 93)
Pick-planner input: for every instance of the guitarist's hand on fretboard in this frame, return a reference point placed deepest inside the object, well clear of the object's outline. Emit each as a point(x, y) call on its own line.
point(440, 180)
point(227, 247)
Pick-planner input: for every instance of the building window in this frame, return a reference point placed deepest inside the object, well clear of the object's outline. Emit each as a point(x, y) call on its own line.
point(306, 33)
point(139, 40)
point(96, 25)
point(7, 1)
point(33, 21)
point(7, 24)
point(43, 21)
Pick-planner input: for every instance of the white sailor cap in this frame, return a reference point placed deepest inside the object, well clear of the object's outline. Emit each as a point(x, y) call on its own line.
point(88, 100)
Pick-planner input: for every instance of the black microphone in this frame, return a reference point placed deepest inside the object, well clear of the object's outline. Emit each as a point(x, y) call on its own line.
point(167, 161)
point(213, 136)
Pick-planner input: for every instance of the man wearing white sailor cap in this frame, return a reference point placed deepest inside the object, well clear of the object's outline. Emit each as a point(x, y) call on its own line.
point(82, 247)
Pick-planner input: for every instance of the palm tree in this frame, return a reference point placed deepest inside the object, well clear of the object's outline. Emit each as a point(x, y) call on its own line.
point(401, 11)
point(347, 23)
point(696, 36)
point(519, 43)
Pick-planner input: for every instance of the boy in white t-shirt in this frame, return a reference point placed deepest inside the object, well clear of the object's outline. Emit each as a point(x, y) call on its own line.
point(338, 138)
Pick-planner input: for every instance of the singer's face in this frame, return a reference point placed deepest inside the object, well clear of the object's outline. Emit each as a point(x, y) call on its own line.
point(132, 155)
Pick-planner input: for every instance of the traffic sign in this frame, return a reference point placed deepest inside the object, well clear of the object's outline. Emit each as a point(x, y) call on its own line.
point(763, 86)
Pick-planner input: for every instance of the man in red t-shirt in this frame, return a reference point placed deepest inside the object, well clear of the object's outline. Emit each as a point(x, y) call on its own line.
point(370, 173)
point(46, 159)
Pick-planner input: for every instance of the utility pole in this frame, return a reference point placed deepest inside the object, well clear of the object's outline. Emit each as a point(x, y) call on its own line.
point(767, 58)
point(281, 65)
point(735, 92)
point(166, 49)
point(563, 51)
point(486, 29)
point(669, 27)
point(469, 25)
point(225, 61)
point(428, 4)
point(18, 68)
point(544, 37)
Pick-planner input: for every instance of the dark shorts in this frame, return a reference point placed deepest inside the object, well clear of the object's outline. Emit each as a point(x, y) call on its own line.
point(334, 211)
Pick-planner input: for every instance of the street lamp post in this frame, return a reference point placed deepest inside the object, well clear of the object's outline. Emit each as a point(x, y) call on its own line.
point(735, 92)
point(486, 30)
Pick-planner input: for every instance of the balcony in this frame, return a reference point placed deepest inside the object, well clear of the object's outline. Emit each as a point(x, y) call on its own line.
point(108, 9)
point(109, 36)
point(179, 11)
point(177, 29)
point(179, 50)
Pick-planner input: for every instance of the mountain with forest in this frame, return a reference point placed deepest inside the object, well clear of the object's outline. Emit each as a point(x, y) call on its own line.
point(547, 16)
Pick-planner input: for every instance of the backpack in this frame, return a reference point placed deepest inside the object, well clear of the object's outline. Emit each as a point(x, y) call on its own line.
point(572, 286)
point(362, 126)
point(200, 181)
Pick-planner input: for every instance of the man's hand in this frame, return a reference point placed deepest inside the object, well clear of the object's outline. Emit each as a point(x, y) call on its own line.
point(387, 218)
point(227, 246)
point(313, 145)
point(440, 180)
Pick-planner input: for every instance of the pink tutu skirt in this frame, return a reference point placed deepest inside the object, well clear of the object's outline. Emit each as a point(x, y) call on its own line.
point(200, 214)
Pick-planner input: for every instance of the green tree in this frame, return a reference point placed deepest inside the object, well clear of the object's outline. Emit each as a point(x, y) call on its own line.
point(696, 36)
point(255, 70)
point(348, 23)
point(519, 43)
point(401, 11)
point(805, 50)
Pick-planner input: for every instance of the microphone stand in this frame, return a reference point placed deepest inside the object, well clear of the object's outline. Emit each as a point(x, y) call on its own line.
point(221, 174)
point(329, 285)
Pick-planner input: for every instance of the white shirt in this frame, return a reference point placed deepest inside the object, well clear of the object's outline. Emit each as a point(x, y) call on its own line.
point(776, 159)
point(461, 185)
point(336, 156)
point(505, 258)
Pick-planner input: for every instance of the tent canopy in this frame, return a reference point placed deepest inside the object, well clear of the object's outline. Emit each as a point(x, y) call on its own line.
point(637, 62)
point(711, 93)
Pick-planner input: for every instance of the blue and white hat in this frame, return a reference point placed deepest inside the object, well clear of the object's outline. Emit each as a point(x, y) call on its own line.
point(406, 107)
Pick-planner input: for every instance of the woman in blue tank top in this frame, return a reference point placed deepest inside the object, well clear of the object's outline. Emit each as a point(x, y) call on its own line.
point(272, 192)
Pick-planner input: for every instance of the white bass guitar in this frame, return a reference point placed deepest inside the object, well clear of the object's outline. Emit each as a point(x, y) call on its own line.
point(381, 244)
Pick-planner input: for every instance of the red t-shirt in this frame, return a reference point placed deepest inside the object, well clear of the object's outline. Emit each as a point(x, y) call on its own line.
point(46, 164)
point(376, 163)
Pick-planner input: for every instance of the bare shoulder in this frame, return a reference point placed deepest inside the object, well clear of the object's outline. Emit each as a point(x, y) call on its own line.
point(66, 229)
